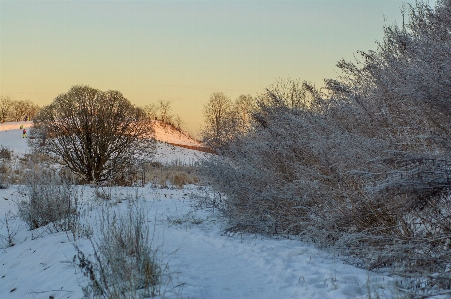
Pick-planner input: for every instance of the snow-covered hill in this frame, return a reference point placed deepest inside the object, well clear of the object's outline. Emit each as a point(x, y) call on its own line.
point(169, 134)
point(175, 146)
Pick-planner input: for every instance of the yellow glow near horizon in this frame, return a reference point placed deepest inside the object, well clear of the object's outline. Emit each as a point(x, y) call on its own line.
point(180, 51)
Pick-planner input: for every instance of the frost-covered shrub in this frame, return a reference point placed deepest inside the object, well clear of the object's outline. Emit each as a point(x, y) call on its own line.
point(363, 165)
point(8, 239)
point(124, 264)
point(49, 201)
point(5, 153)
point(5, 168)
point(291, 164)
point(4, 175)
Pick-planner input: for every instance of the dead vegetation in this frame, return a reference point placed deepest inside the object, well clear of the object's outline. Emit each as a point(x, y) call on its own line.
point(125, 263)
point(164, 176)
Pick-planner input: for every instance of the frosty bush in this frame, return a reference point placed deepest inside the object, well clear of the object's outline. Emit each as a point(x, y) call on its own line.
point(4, 179)
point(5, 169)
point(362, 165)
point(50, 201)
point(5, 153)
point(124, 265)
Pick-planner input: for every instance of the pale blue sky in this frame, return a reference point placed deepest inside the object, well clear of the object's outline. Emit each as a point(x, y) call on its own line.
point(180, 51)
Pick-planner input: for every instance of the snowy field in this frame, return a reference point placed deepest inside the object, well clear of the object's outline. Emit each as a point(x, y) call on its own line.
point(204, 261)
point(11, 136)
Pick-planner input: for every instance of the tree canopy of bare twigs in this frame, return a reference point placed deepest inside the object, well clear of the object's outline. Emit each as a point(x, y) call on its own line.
point(98, 135)
point(226, 120)
point(6, 105)
point(13, 110)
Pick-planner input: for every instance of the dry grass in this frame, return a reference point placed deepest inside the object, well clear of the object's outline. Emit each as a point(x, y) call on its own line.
point(171, 175)
point(13, 170)
point(5, 153)
point(125, 263)
point(50, 201)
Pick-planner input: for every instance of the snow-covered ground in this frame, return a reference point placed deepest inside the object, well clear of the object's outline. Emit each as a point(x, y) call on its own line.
point(167, 153)
point(12, 139)
point(206, 262)
point(11, 136)
point(209, 264)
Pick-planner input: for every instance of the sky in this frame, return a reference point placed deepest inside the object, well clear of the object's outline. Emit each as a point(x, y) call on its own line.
point(181, 51)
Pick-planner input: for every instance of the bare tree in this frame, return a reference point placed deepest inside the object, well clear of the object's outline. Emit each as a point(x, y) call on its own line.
point(244, 106)
point(219, 120)
point(32, 110)
point(19, 110)
point(151, 111)
point(178, 122)
point(6, 107)
point(164, 107)
point(98, 135)
point(11, 110)
point(24, 110)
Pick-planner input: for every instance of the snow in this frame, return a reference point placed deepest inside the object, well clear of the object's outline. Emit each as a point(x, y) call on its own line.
point(170, 154)
point(12, 139)
point(11, 136)
point(15, 125)
point(208, 263)
point(168, 134)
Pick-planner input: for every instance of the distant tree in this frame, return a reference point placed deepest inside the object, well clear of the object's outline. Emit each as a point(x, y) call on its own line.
point(19, 110)
point(24, 109)
point(164, 108)
point(178, 122)
point(32, 110)
point(151, 111)
point(98, 135)
point(6, 108)
point(220, 121)
point(243, 107)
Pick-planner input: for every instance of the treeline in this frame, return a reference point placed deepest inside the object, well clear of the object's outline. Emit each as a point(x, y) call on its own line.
point(226, 120)
point(363, 165)
point(14, 110)
point(162, 111)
